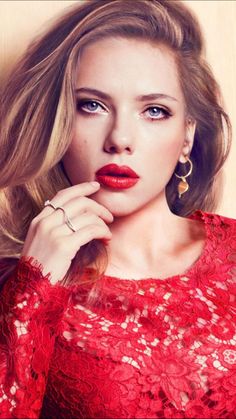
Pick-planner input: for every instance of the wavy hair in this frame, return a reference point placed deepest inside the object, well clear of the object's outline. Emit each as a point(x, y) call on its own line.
point(38, 112)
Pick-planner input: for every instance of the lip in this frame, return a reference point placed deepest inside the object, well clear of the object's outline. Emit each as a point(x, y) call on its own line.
point(117, 177)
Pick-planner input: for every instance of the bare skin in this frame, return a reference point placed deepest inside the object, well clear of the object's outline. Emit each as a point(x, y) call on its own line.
point(49, 239)
point(136, 252)
point(146, 238)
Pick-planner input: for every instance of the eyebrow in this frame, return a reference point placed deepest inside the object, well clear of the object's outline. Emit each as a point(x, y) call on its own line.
point(141, 98)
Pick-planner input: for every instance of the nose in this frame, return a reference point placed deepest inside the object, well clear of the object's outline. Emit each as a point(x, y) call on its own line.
point(120, 138)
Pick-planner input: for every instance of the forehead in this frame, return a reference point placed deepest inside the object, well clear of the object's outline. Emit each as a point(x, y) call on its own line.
point(120, 64)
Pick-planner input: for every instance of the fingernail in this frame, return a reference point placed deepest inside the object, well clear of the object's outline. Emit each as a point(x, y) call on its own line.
point(95, 184)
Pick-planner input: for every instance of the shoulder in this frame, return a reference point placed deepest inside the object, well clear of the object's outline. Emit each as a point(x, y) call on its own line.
point(214, 220)
point(220, 229)
point(218, 263)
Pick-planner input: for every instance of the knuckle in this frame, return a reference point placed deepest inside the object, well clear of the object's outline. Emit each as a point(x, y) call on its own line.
point(60, 193)
point(34, 222)
point(88, 213)
point(42, 227)
point(85, 203)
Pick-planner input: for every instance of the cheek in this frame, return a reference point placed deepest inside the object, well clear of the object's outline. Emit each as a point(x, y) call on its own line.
point(76, 161)
point(87, 129)
point(87, 139)
point(165, 145)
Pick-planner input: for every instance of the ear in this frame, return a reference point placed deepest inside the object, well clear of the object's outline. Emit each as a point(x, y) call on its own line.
point(189, 139)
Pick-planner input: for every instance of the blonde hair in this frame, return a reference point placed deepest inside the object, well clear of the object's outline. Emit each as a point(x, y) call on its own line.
point(39, 108)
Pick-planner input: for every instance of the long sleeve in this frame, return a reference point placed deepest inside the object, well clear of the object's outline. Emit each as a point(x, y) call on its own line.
point(31, 310)
point(144, 348)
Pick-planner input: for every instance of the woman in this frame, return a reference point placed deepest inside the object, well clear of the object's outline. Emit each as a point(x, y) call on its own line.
point(118, 281)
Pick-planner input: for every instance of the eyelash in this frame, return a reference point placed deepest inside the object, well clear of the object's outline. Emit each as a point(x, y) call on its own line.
point(81, 103)
point(166, 114)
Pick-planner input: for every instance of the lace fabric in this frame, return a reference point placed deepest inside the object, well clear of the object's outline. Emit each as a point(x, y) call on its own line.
point(148, 348)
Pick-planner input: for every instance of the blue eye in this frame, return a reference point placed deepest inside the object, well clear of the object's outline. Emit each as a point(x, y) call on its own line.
point(155, 112)
point(89, 106)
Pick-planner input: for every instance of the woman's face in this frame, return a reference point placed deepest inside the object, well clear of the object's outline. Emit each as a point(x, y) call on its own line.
point(130, 112)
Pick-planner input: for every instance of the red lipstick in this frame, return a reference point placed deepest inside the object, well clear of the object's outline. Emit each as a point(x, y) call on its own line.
point(117, 177)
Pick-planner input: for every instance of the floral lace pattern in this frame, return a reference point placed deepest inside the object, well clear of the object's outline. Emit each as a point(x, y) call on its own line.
point(149, 348)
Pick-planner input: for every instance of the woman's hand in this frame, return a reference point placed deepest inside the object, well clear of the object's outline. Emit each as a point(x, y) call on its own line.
point(51, 241)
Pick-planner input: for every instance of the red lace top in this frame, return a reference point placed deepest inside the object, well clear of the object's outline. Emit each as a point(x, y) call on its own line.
point(149, 348)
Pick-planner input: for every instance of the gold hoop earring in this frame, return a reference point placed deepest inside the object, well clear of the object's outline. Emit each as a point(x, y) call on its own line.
point(183, 185)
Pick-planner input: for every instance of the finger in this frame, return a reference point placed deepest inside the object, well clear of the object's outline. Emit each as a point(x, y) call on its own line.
point(83, 205)
point(85, 220)
point(89, 233)
point(55, 223)
point(78, 224)
point(79, 206)
point(82, 189)
point(69, 245)
point(64, 195)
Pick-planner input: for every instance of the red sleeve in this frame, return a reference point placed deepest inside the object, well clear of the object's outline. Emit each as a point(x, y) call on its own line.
point(31, 310)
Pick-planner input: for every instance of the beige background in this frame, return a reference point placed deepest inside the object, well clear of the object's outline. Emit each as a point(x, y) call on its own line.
point(21, 20)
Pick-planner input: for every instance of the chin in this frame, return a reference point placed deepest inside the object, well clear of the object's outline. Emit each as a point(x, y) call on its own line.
point(119, 206)
point(121, 213)
point(120, 210)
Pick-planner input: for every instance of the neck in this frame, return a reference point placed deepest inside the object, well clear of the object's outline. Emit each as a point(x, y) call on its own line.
point(144, 220)
point(140, 238)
